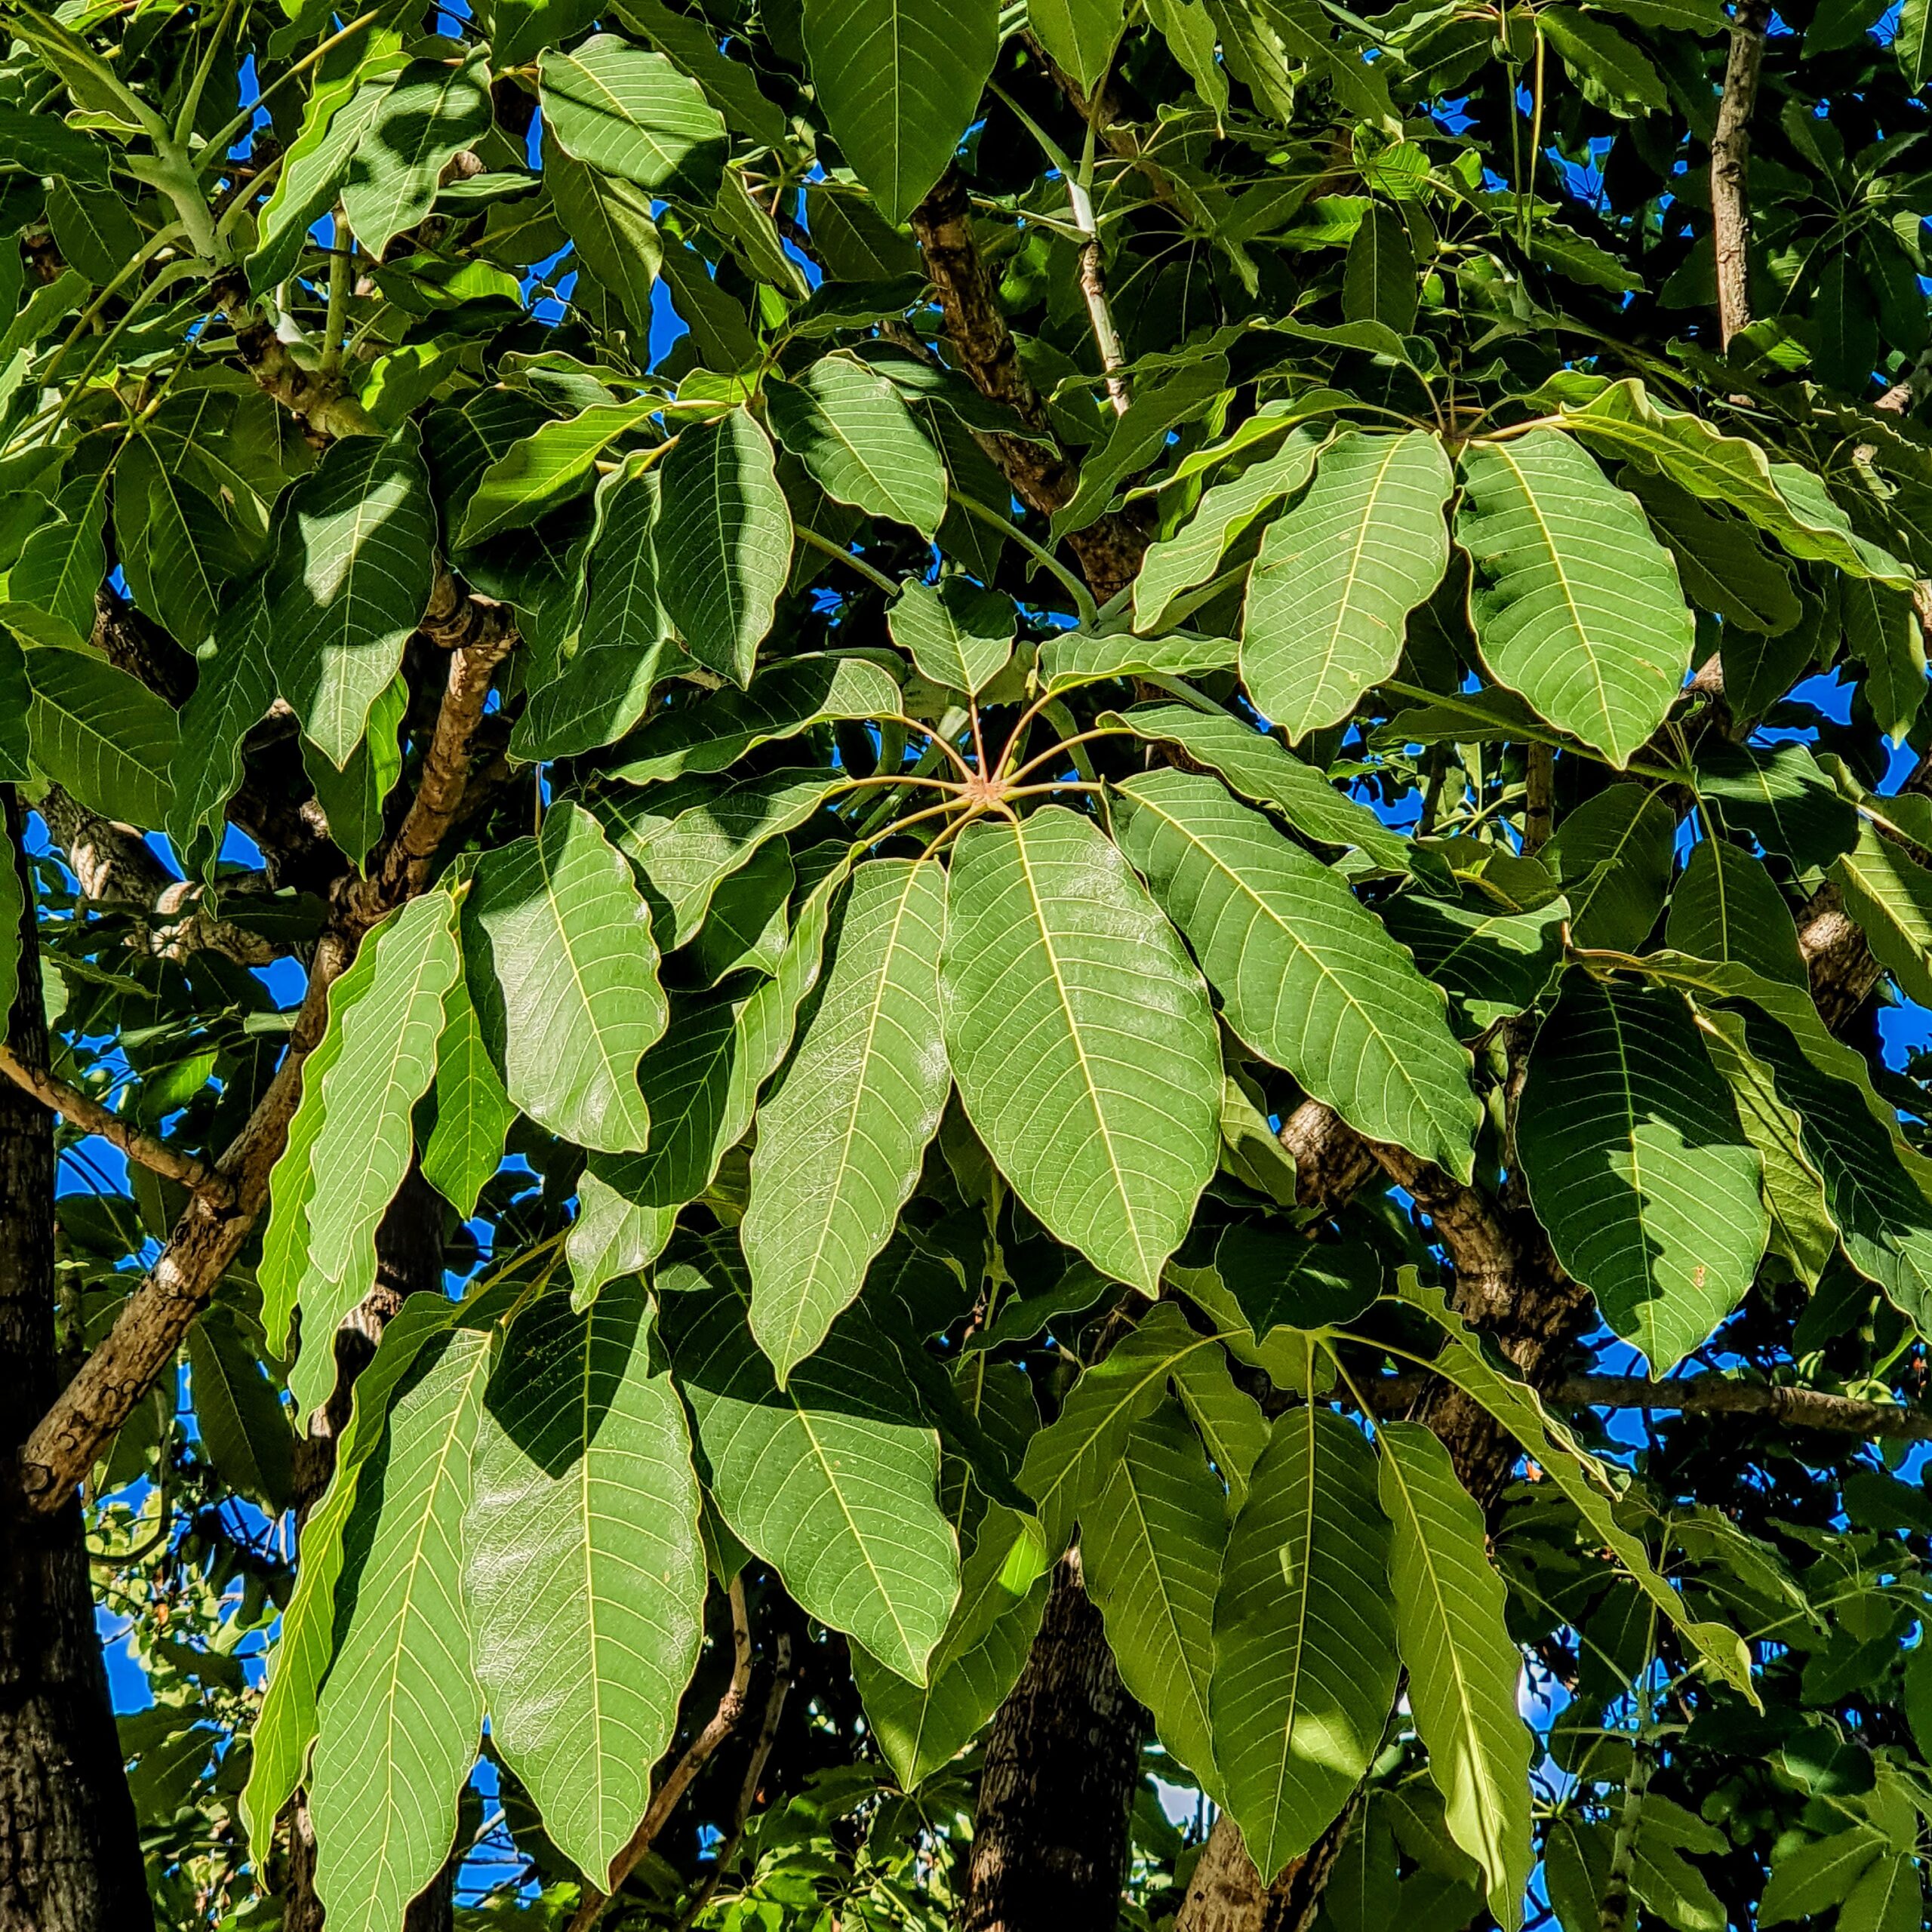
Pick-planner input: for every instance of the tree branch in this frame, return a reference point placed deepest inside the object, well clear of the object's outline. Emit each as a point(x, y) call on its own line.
point(1731, 154)
point(729, 1715)
point(89, 1114)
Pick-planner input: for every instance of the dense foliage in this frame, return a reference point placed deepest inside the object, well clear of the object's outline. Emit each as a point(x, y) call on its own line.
point(1139, 781)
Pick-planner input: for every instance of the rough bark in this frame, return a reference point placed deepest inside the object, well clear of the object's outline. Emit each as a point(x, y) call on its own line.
point(1109, 549)
point(1049, 1840)
point(1731, 154)
point(70, 1855)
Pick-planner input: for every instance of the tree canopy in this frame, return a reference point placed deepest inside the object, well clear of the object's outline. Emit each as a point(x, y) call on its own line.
point(988, 956)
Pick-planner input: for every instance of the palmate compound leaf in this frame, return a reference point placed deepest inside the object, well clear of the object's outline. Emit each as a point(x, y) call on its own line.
point(832, 1481)
point(563, 969)
point(855, 437)
point(724, 542)
point(1577, 606)
point(1338, 574)
point(1002, 1595)
point(384, 1066)
point(1637, 1167)
point(1463, 1668)
point(841, 1143)
point(1151, 1537)
point(1580, 1477)
point(583, 1574)
point(1081, 1037)
point(1305, 1663)
point(285, 1727)
point(352, 562)
point(901, 84)
point(1308, 977)
point(401, 1713)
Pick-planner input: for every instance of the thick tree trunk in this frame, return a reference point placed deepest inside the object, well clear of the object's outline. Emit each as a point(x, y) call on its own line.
point(70, 1854)
point(1050, 1838)
point(409, 1260)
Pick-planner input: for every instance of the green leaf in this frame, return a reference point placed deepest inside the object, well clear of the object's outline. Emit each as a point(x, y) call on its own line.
point(176, 547)
point(1140, 436)
point(556, 460)
point(1105, 1127)
point(473, 1113)
point(244, 1430)
point(1882, 632)
point(1070, 1459)
point(1151, 1537)
point(583, 1576)
point(832, 1481)
point(433, 111)
point(611, 1236)
point(1888, 1898)
point(61, 565)
point(1889, 896)
point(383, 1066)
point(102, 733)
point(1378, 280)
point(1816, 1874)
point(841, 1144)
point(1721, 562)
point(1338, 575)
point(1788, 503)
point(1192, 555)
point(521, 29)
point(1778, 794)
point(353, 560)
point(1613, 855)
point(1066, 663)
point(1002, 1596)
point(1802, 1230)
point(352, 799)
point(398, 1718)
point(1637, 1168)
point(1579, 1477)
point(748, 924)
point(1304, 1641)
point(1579, 608)
point(285, 1237)
point(1308, 977)
point(631, 114)
point(1228, 1418)
point(714, 731)
point(684, 839)
point(729, 85)
point(959, 636)
point(563, 969)
point(1254, 764)
point(285, 1726)
point(1727, 906)
point(855, 436)
point(1492, 964)
point(1464, 1667)
point(609, 223)
point(724, 542)
point(1080, 35)
point(900, 84)
point(1611, 72)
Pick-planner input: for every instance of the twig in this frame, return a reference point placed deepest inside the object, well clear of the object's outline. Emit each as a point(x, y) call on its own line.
point(767, 1735)
point(725, 1720)
point(76, 1107)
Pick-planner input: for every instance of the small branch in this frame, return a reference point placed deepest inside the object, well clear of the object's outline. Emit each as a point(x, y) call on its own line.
point(1731, 155)
point(1701, 1395)
point(767, 1735)
point(89, 1114)
point(1539, 798)
point(729, 1715)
